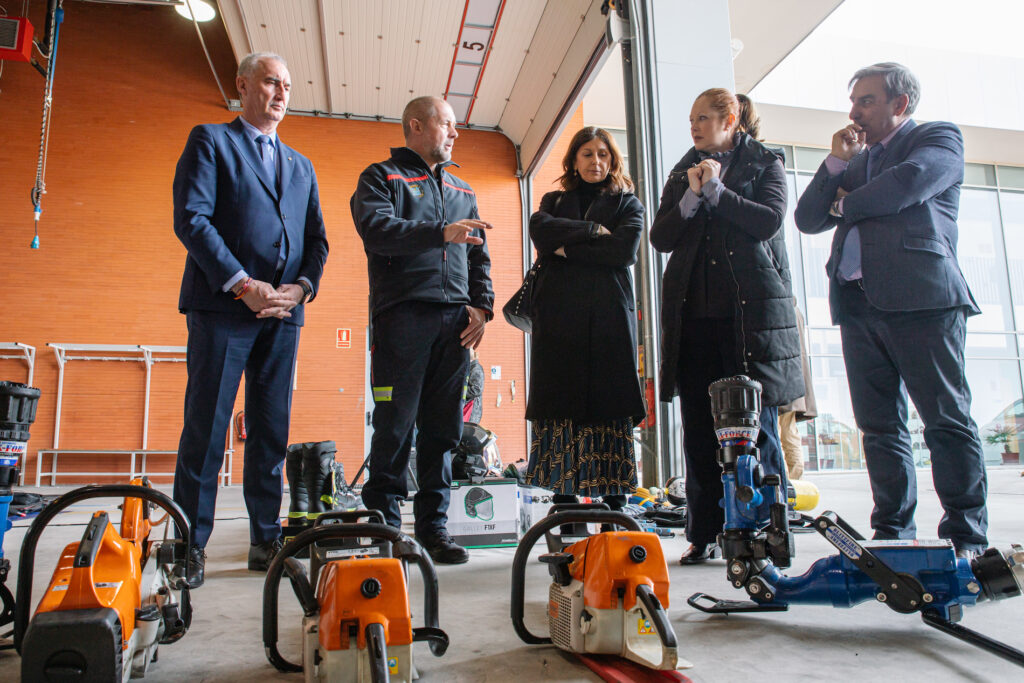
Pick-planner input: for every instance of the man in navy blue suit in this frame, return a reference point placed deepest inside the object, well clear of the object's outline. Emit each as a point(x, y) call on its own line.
point(891, 187)
point(247, 209)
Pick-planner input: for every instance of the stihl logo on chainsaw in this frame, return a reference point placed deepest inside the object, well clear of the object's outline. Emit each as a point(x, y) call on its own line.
point(552, 609)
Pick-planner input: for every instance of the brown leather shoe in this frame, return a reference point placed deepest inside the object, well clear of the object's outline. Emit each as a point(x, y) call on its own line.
point(698, 553)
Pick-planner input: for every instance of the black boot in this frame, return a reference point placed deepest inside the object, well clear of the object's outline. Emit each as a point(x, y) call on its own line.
point(318, 476)
point(299, 504)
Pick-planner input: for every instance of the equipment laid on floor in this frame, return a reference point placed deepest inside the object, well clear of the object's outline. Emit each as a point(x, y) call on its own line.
point(357, 626)
point(114, 597)
point(485, 514)
point(17, 413)
point(609, 592)
point(908, 576)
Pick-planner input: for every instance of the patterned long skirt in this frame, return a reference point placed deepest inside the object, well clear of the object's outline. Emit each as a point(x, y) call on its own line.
point(594, 459)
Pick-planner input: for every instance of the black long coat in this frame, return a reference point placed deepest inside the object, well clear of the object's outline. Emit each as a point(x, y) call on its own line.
point(750, 211)
point(583, 361)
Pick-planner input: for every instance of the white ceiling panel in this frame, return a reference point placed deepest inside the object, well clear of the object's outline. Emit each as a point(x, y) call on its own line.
point(563, 94)
point(511, 45)
point(556, 31)
point(292, 30)
point(367, 58)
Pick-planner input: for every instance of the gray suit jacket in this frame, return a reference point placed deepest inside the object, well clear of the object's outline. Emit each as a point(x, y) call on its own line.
point(906, 216)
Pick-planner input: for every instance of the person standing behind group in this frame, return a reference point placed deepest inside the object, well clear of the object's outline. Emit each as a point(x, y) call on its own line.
point(727, 304)
point(800, 410)
point(585, 394)
point(247, 209)
point(891, 188)
point(430, 297)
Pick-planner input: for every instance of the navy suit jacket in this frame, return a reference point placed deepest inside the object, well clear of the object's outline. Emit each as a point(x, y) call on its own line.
point(906, 216)
point(230, 216)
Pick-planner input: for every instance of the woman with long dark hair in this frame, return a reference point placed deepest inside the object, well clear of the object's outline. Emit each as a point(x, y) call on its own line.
point(727, 303)
point(585, 394)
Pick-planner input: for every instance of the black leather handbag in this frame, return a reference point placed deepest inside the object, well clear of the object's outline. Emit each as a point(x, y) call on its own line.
point(519, 309)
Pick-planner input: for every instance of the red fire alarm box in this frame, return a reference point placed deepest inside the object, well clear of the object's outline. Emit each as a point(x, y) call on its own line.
point(15, 39)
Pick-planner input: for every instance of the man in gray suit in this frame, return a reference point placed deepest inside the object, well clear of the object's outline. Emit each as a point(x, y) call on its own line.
point(891, 187)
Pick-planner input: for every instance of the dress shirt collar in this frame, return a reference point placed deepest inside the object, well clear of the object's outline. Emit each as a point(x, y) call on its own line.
point(884, 142)
point(252, 131)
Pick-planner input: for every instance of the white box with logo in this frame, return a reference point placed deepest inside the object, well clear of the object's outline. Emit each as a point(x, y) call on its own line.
point(484, 515)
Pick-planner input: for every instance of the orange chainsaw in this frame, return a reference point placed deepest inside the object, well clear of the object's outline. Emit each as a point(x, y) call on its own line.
point(608, 595)
point(357, 626)
point(114, 596)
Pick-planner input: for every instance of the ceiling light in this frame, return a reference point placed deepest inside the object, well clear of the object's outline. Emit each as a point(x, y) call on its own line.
point(202, 10)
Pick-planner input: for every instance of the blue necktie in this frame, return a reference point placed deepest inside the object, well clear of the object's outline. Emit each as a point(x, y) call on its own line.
point(267, 156)
point(849, 264)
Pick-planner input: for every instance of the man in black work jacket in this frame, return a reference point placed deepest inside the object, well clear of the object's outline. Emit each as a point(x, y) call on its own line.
point(430, 297)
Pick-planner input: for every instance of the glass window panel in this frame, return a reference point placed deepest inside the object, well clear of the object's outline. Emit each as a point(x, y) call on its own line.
point(991, 345)
point(809, 158)
point(996, 406)
point(1013, 230)
point(833, 441)
point(815, 249)
point(1011, 176)
point(788, 151)
point(824, 341)
point(982, 259)
point(792, 235)
point(980, 174)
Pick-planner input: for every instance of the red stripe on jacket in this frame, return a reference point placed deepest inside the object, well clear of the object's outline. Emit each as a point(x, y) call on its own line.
point(460, 189)
point(395, 176)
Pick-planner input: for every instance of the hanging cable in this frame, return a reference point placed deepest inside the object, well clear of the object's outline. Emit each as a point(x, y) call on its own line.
point(39, 189)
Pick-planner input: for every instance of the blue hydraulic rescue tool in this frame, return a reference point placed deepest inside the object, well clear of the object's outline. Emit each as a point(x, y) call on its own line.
point(908, 576)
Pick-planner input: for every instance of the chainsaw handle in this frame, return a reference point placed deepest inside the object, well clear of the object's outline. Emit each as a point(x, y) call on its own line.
point(26, 562)
point(377, 649)
point(404, 548)
point(530, 539)
point(658, 616)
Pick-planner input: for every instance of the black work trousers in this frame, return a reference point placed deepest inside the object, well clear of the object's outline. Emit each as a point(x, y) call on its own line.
point(708, 353)
point(418, 370)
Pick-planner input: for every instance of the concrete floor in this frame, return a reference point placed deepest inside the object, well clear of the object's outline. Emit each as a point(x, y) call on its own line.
point(805, 644)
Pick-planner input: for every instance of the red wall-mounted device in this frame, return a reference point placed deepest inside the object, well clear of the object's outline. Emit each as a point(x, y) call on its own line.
point(15, 39)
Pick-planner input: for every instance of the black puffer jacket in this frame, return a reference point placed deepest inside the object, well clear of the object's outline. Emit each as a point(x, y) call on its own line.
point(750, 213)
point(583, 359)
point(400, 209)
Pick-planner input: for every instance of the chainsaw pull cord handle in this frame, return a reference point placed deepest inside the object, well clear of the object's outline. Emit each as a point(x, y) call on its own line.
point(26, 562)
point(658, 616)
point(530, 538)
point(405, 548)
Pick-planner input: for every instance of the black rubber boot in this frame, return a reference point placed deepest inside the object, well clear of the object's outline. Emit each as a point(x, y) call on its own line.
point(299, 504)
point(319, 477)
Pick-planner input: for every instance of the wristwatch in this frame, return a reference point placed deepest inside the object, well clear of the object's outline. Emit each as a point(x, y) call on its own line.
point(307, 291)
point(834, 209)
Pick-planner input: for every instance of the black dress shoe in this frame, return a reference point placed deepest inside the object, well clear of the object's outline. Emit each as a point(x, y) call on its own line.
point(442, 548)
point(262, 554)
point(195, 568)
point(698, 553)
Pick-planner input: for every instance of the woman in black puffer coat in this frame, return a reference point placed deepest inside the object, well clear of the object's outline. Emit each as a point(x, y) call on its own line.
point(727, 303)
point(585, 393)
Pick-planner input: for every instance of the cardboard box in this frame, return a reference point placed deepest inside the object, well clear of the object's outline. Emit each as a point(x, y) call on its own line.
point(484, 515)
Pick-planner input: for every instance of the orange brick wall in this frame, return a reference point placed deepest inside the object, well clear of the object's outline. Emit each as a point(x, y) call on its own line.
point(130, 83)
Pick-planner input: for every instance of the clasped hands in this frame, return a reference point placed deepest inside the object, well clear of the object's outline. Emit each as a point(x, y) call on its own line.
point(701, 173)
point(267, 302)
